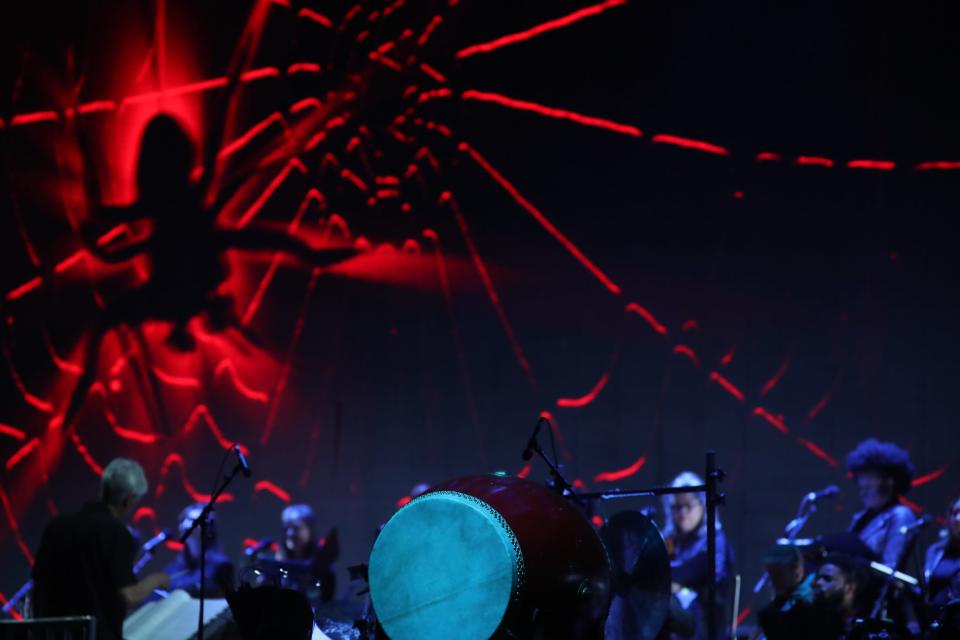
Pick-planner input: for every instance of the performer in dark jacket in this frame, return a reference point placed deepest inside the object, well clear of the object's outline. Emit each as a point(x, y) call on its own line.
point(790, 615)
point(941, 569)
point(883, 472)
point(84, 565)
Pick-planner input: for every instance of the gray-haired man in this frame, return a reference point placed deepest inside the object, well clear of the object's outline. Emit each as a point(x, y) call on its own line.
point(84, 565)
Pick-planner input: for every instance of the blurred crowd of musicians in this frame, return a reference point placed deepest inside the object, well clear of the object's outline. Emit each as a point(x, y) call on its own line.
point(84, 563)
point(833, 587)
point(85, 560)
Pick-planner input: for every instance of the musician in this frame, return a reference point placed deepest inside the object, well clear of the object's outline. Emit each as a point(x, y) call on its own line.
point(301, 545)
point(788, 615)
point(84, 565)
point(883, 472)
point(685, 533)
point(837, 597)
point(941, 570)
point(185, 569)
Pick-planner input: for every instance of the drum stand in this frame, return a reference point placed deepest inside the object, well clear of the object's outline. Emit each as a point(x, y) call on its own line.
point(714, 477)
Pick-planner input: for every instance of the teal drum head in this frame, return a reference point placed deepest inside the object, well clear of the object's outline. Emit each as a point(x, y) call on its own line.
point(446, 565)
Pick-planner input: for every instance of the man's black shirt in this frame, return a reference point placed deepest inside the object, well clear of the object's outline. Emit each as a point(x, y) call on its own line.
point(84, 560)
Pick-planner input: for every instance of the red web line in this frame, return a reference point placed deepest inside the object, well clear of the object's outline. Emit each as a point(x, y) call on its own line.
point(550, 112)
point(447, 198)
point(196, 496)
point(12, 522)
point(777, 376)
point(620, 474)
point(3, 599)
point(540, 29)
point(690, 143)
point(688, 353)
point(227, 365)
point(930, 477)
point(288, 359)
point(13, 432)
point(587, 398)
point(273, 489)
point(541, 218)
point(312, 15)
point(312, 196)
point(633, 307)
point(727, 385)
point(455, 332)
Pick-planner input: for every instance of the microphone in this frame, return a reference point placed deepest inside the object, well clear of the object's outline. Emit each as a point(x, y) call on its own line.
point(258, 548)
point(827, 492)
point(242, 459)
point(531, 443)
point(916, 526)
point(156, 540)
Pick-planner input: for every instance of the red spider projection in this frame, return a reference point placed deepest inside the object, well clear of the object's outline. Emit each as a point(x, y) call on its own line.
point(365, 139)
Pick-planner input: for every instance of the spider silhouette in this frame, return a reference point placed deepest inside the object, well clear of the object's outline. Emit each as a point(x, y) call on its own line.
point(185, 246)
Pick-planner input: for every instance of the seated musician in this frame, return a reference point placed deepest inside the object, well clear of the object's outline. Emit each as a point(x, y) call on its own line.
point(685, 534)
point(837, 597)
point(185, 569)
point(883, 472)
point(84, 565)
point(942, 566)
point(788, 615)
point(301, 545)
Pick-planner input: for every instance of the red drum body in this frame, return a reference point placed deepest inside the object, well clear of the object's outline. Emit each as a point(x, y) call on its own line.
point(490, 557)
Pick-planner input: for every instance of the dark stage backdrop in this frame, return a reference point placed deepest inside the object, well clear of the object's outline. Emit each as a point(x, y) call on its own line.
point(670, 226)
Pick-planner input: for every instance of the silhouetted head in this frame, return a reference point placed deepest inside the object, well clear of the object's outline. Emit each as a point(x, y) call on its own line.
point(165, 160)
point(882, 471)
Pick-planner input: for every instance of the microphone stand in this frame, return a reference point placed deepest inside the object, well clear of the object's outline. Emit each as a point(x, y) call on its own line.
point(711, 488)
point(559, 482)
point(807, 508)
point(203, 523)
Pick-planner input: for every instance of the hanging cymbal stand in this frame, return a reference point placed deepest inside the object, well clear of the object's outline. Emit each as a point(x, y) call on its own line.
point(711, 488)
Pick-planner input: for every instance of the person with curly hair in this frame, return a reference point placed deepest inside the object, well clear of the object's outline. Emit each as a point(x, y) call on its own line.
point(883, 472)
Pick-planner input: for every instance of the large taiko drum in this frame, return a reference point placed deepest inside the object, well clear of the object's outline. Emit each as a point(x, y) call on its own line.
point(489, 557)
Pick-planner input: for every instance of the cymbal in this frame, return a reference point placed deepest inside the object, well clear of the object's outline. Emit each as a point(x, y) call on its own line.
point(641, 577)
